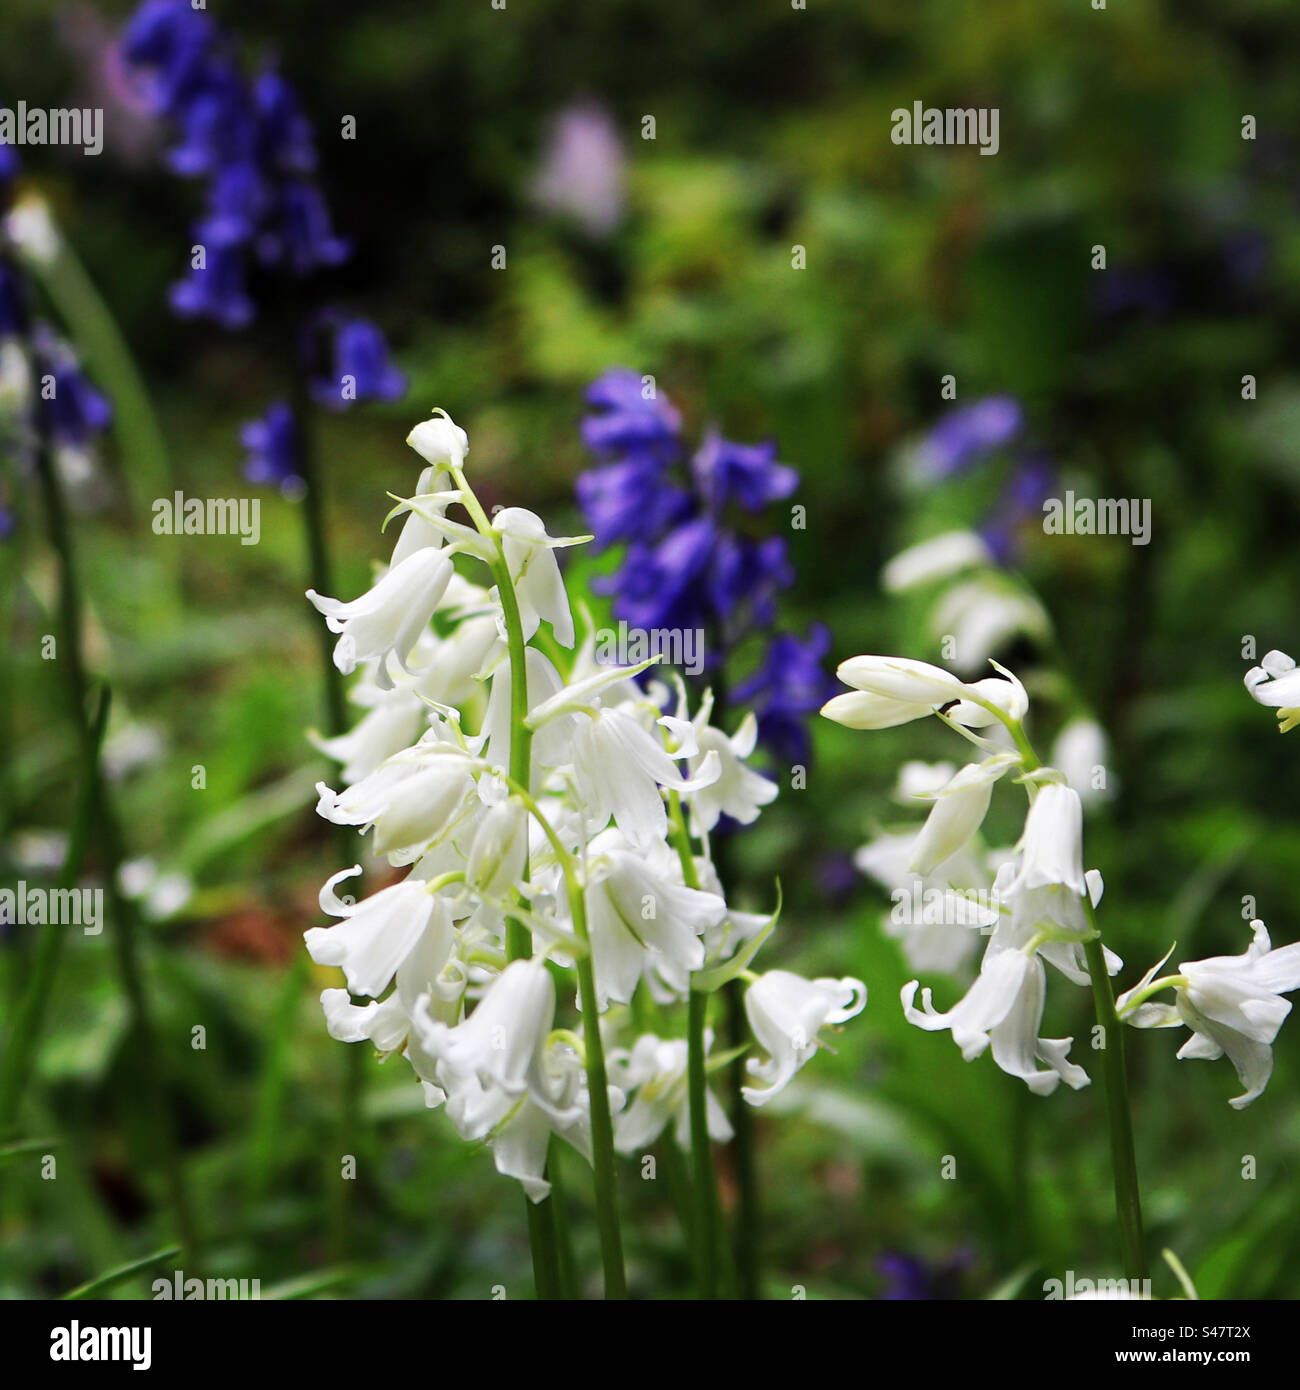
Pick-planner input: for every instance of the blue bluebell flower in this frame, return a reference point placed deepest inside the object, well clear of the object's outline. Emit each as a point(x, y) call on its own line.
point(249, 141)
point(74, 411)
point(965, 436)
point(909, 1278)
point(216, 125)
point(787, 690)
point(13, 303)
point(10, 168)
point(287, 134)
point(217, 290)
point(254, 148)
point(361, 367)
point(744, 473)
point(167, 45)
point(630, 499)
point(272, 444)
point(625, 422)
point(301, 237)
point(1032, 481)
point(691, 561)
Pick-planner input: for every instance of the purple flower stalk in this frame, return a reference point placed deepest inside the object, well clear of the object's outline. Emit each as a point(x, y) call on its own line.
point(691, 563)
point(249, 144)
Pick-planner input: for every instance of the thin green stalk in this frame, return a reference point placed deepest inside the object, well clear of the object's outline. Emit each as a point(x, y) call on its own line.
point(158, 1111)
point(29, 1016)
point(747, 1234)
point(146, 471)
point(321, 578)
point(546, 1237)
point(602, 1125)
point(707, 1220)
point(107, 353)
point(706, 1187)
point(1128, 1201)
point(568, 1269)
point(748, 1239)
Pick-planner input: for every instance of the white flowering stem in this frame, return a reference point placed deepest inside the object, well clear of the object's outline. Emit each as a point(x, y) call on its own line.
point(602, 1123)
point(518, 938)
point(1128, 1198)
point(706, 1223)
point(544, 1234)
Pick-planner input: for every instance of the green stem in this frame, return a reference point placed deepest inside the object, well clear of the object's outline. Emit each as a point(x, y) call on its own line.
point(321, 578)
point(1128, 1201)
point(152, 1074)
point(107, 353)
point(602, 1124)
point(706, 1223)
point(567, 1270)
point(544, 1217)
point(29, 1016)
point(706, 1188)
point(747, 1240)
point(748, 1230)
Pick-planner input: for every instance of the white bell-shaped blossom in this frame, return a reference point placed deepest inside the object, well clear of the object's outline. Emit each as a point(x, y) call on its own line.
point(389, 617)
point(501, 1041)
point(786, 1013)
point(738, 791)
point(653, 1074)
point(530, 558)
point(958, 812)
point(375, 934)
point(440, 441)
point(890, 690)
point(1004, 1008)
point(520, 881)
point(1232, 1004)
point(637, 905)
point(411, 799)
point(937, 917)
point(1276, 682)
point(940, 557)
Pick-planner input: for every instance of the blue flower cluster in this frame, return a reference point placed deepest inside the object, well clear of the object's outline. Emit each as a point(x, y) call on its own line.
point(964, 438)
point(253, 148)
point(66, 410)
point(690, 562)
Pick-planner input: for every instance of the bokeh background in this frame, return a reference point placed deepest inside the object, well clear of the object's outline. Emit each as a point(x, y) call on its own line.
point(1120, 128)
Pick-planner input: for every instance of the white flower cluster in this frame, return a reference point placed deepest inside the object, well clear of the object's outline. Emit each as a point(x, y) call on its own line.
point(1038, 909)
point(1034, 914)
point(553, 816)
